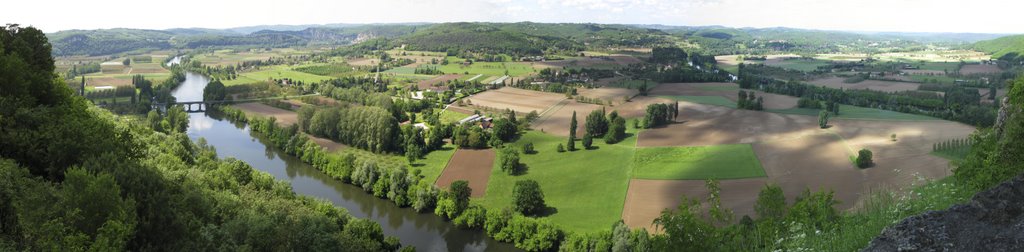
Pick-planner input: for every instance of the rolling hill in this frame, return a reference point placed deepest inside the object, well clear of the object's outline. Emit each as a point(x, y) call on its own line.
point(1001, 47)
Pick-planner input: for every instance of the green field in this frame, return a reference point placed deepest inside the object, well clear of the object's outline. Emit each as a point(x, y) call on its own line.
point(433, 163)
point(587, 188)
point(854, 112)
point(708, 100)
point(800, 64)
point(734, 69)
point(932, 79)
point(730, 161)
point(514, 69)
point(448, 116)
point(276, 72)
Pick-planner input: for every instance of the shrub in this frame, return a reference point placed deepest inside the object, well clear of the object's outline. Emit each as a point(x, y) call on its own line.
point(528, 148)
point(864, 158)
point(561, 148)
point(588, 141)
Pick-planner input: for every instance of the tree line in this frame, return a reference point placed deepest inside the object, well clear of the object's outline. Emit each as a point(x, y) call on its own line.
point(962, 105)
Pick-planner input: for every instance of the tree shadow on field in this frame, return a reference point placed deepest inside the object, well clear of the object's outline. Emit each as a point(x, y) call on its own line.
point(522, 169)
point(547, 211)
point(593, 147)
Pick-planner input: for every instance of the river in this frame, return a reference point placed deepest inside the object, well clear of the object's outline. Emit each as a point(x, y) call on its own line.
point(425, 231)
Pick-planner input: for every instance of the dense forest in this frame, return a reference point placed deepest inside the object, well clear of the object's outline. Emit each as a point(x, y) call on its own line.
point(75, 178)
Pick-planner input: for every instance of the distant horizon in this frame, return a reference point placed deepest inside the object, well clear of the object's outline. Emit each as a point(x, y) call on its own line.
point(509, 22)
point(904, 16)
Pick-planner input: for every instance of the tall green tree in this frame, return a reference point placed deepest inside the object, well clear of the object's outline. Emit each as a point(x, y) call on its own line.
point(527, 197)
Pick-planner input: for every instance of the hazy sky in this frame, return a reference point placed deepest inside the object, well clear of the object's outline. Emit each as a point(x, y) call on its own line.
point(979, 16)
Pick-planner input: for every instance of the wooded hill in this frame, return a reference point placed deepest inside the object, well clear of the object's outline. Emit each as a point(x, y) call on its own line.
point(1006, 48)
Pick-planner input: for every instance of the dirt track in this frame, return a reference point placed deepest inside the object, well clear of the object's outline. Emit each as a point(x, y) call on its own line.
point(470, 165)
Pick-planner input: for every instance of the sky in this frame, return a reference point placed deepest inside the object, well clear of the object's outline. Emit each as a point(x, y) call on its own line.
point(977, 16)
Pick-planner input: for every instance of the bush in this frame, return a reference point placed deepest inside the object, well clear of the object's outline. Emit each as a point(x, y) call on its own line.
point(527, 197)
point(864, 158)
point(561, 148)
point(528, 148)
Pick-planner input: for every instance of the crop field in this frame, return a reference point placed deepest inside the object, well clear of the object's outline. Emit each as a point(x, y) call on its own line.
point(276, 72)
point(438, 80)
point(616, 95)
point(799, 64)
point(719, 94)
point(854, 112)
point(520, 100)
point(470, 165)
point(100, 79)
point(455, 66)
point(232, 57)
point(284, 117)
point(611, 61)
point(793, 152)
point(887, 86)
point(730, 161)
point(979, 69)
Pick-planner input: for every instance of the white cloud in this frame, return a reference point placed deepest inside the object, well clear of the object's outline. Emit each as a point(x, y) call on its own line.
point(878, 15)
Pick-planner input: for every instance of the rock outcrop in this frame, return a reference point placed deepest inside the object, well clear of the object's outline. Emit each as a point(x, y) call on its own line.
point(992, 221)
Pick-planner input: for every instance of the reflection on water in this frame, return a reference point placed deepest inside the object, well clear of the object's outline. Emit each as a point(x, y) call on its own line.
point(427, 232)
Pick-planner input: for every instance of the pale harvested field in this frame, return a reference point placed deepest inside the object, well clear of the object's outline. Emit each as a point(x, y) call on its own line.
point(470, 165)
point(923, 72)
point(608, 93)
point(770, 59)
point(771, 101)
point(979, 69)
point(520, 100)
point(700, 125)
point(327, 144)
point(362, 62)
point(427, 84)
point(796, 155)
point(637, 106)
point(147, 68)
point(107, 81)
point(557, 122)
point(617, 59)
point(418, 60)
point(645, 198)
point(284, 117)
point(887, 86)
